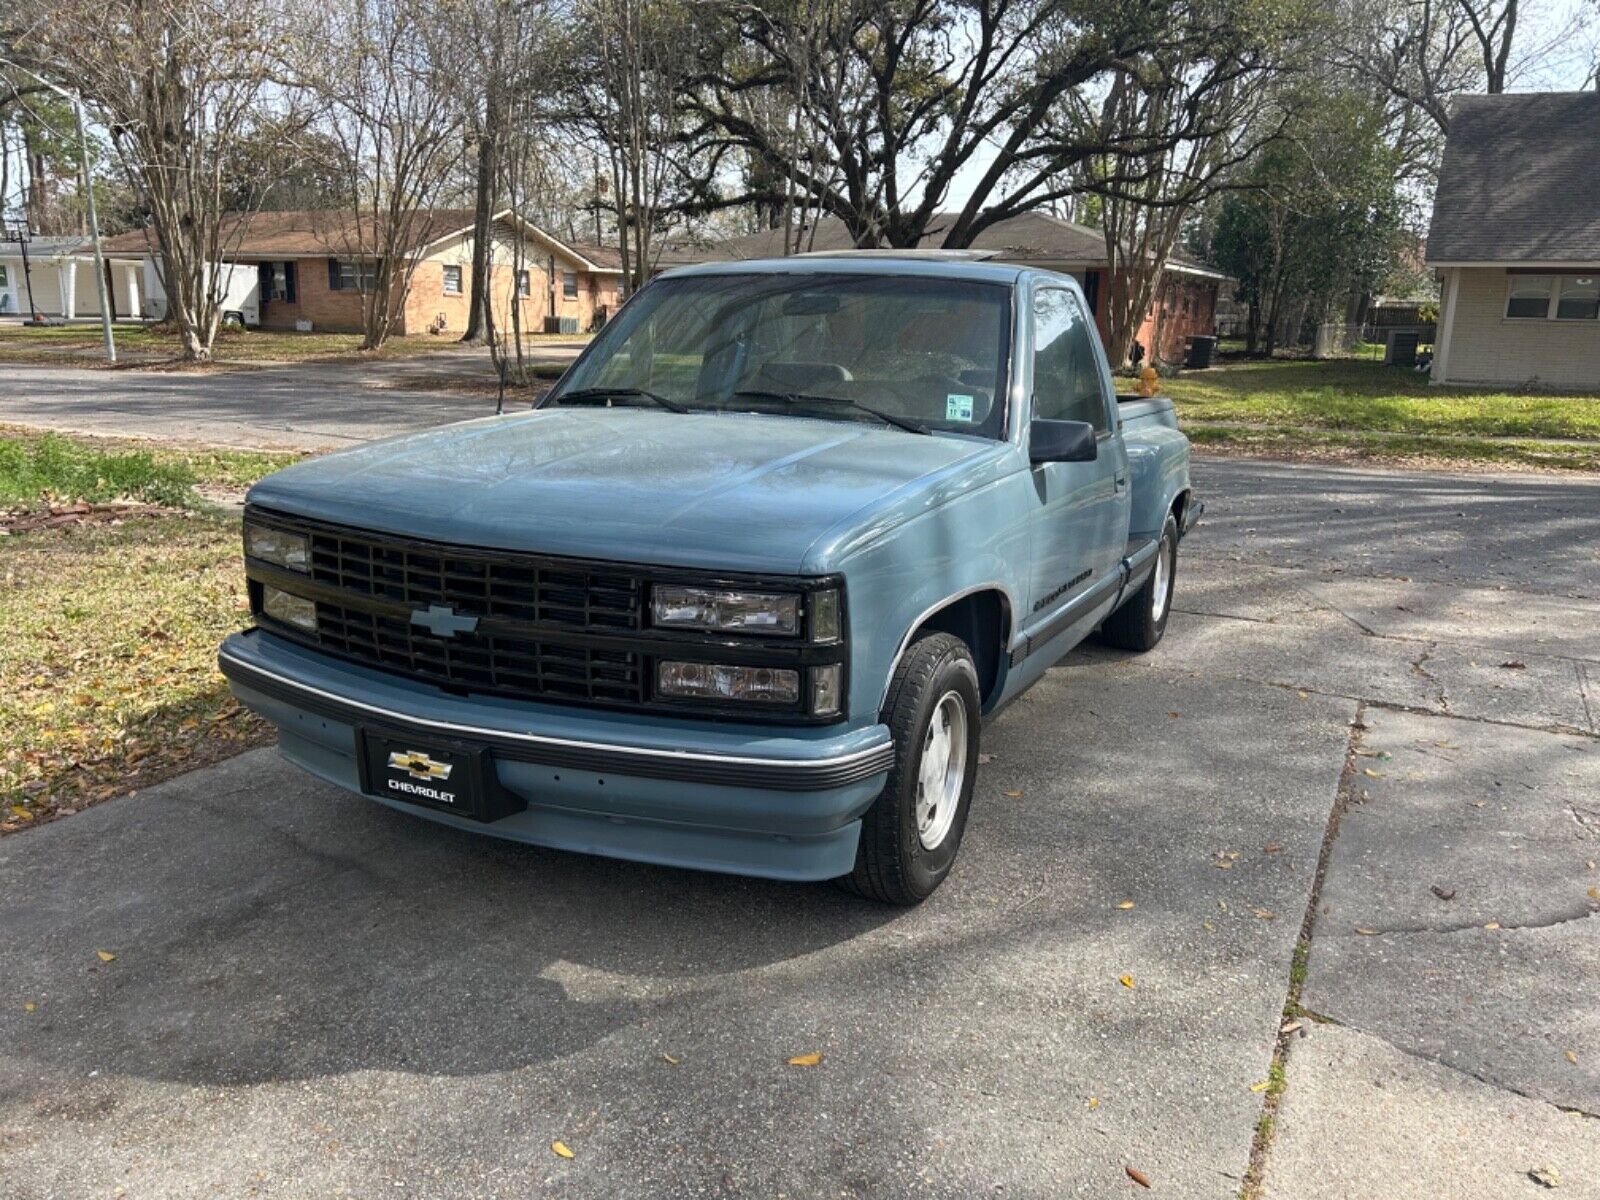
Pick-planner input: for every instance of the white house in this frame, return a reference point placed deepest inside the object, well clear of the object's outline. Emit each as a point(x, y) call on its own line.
point(1516, 241)
point(59, 280)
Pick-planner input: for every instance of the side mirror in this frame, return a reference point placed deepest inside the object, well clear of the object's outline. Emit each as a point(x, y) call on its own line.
point(1062, 441)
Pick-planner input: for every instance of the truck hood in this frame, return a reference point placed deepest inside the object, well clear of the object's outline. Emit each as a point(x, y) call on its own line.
point(735, 491)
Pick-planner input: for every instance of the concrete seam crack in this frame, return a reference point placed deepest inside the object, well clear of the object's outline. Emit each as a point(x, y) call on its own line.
point(1261, 1143)
point(1465, 927)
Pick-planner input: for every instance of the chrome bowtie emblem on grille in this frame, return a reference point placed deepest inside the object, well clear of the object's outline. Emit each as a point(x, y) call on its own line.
point(418, 765)
point(442, 621)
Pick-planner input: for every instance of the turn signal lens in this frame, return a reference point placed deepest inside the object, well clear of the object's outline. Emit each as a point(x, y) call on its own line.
point(291, 610)
point(714, 681)
point(825, 616)
point(825, 689)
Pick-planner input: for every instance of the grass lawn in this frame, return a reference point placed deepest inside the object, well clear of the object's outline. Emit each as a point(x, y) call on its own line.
point(1344, 409)
point(78, 345)
point(112, 621)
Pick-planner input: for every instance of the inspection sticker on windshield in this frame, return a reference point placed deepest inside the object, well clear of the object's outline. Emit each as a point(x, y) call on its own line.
point(957, 407)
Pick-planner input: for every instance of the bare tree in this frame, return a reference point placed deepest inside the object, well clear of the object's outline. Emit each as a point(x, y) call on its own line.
point(391, 111)
point(628, 70)
point(905, 95)
point(173, 82)
point(1205, 124)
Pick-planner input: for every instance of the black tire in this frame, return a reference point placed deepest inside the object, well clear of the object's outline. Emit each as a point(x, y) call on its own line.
point(892, 863)
point(1142, 619)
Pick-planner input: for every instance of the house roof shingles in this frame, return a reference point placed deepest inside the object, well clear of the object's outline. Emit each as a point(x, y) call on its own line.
point(1518, 181)
point(313, 232)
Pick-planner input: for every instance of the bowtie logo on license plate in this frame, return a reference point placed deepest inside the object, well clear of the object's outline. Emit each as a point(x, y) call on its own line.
point(443, 621)
point(418, 765)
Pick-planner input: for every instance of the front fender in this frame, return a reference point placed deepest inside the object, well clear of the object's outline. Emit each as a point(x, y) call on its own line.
point(975, 541)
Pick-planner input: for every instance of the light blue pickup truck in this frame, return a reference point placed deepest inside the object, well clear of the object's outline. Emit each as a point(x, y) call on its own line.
point(741, 591)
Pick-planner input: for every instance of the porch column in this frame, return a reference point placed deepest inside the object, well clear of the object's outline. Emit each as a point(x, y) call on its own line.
point(1449, 295)
point(131, 273)
point(67, 277)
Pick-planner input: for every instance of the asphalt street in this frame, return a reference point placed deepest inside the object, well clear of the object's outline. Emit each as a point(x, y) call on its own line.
point(283, 407)
point(1392, 677)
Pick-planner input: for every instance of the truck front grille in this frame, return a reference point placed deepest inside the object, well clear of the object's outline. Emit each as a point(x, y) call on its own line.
point(521, 587)
point(507, 665)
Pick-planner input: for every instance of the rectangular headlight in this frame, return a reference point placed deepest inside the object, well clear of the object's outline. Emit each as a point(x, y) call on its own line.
point(291, 610)
point(714, 681)
point(720, 611)
point(289, 550)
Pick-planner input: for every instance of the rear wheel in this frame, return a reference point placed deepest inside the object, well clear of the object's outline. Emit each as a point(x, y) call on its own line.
point(1139, 623)
point(910, 835)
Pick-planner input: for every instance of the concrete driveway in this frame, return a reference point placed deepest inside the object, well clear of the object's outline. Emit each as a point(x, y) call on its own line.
point(1375, 709)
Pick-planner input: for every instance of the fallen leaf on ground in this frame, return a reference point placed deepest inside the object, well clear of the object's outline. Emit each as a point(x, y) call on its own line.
point(985, 759)
point(670, 1059)
point(1305, 695)
point(1365, 932)
point(1571, 1057)
point(1594, 893)
point(1126, 981)
point(1174, 714)
point(105, 955)
point(1370, 773)
point(1545, 1177)
point(1260, 1085)
point(1094, 1102)
point(1129, 903)
point(1492, 925)
point(29, 1006)
point(1266, 914)
point(1291, 1027)
point(561, 1149)
point(1271, 848)
point(806, 1060)
point(1016, 795)
point(1443, 893)
point(1137, 1176)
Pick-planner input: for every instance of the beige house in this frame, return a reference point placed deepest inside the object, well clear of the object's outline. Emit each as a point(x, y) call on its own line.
point(1516, 241)
point(56, 279)
point(299, 270)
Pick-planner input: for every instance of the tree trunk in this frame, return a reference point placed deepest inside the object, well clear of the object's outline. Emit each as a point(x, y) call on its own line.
point(483, 227)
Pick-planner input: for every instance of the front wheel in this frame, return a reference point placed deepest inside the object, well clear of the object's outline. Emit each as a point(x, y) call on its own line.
point(1139, 623)
point(910, 835)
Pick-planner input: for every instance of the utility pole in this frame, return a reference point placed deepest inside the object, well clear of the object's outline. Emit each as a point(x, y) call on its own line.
point(94, 232)
point(76, 100)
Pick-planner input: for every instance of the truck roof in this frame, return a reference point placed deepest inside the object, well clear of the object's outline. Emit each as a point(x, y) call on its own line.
point(945, 264)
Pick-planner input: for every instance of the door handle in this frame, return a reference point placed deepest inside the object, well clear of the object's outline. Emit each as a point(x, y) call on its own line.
point(1121, 481)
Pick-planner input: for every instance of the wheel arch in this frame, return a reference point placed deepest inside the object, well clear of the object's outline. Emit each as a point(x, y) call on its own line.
point(982, 617)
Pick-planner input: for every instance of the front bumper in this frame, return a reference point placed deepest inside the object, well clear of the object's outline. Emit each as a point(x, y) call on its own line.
point(756, 800)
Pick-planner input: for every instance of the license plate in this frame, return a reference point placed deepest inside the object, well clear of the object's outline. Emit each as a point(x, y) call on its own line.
point(418, 772)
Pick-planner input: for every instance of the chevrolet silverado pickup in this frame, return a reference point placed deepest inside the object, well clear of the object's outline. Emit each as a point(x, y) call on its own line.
point(741, 591)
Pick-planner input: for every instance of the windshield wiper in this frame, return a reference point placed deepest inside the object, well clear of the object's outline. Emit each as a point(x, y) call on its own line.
point(622, 393)
point(807, 398)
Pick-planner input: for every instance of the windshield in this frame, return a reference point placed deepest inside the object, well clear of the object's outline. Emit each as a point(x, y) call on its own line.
point(923, 353)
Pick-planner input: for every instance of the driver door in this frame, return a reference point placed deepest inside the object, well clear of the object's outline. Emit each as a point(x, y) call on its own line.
point(1079, 522)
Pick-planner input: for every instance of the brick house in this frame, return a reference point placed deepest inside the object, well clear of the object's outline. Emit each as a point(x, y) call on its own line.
point(1515, 239)
point(1185, 301)
point(284, 269)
